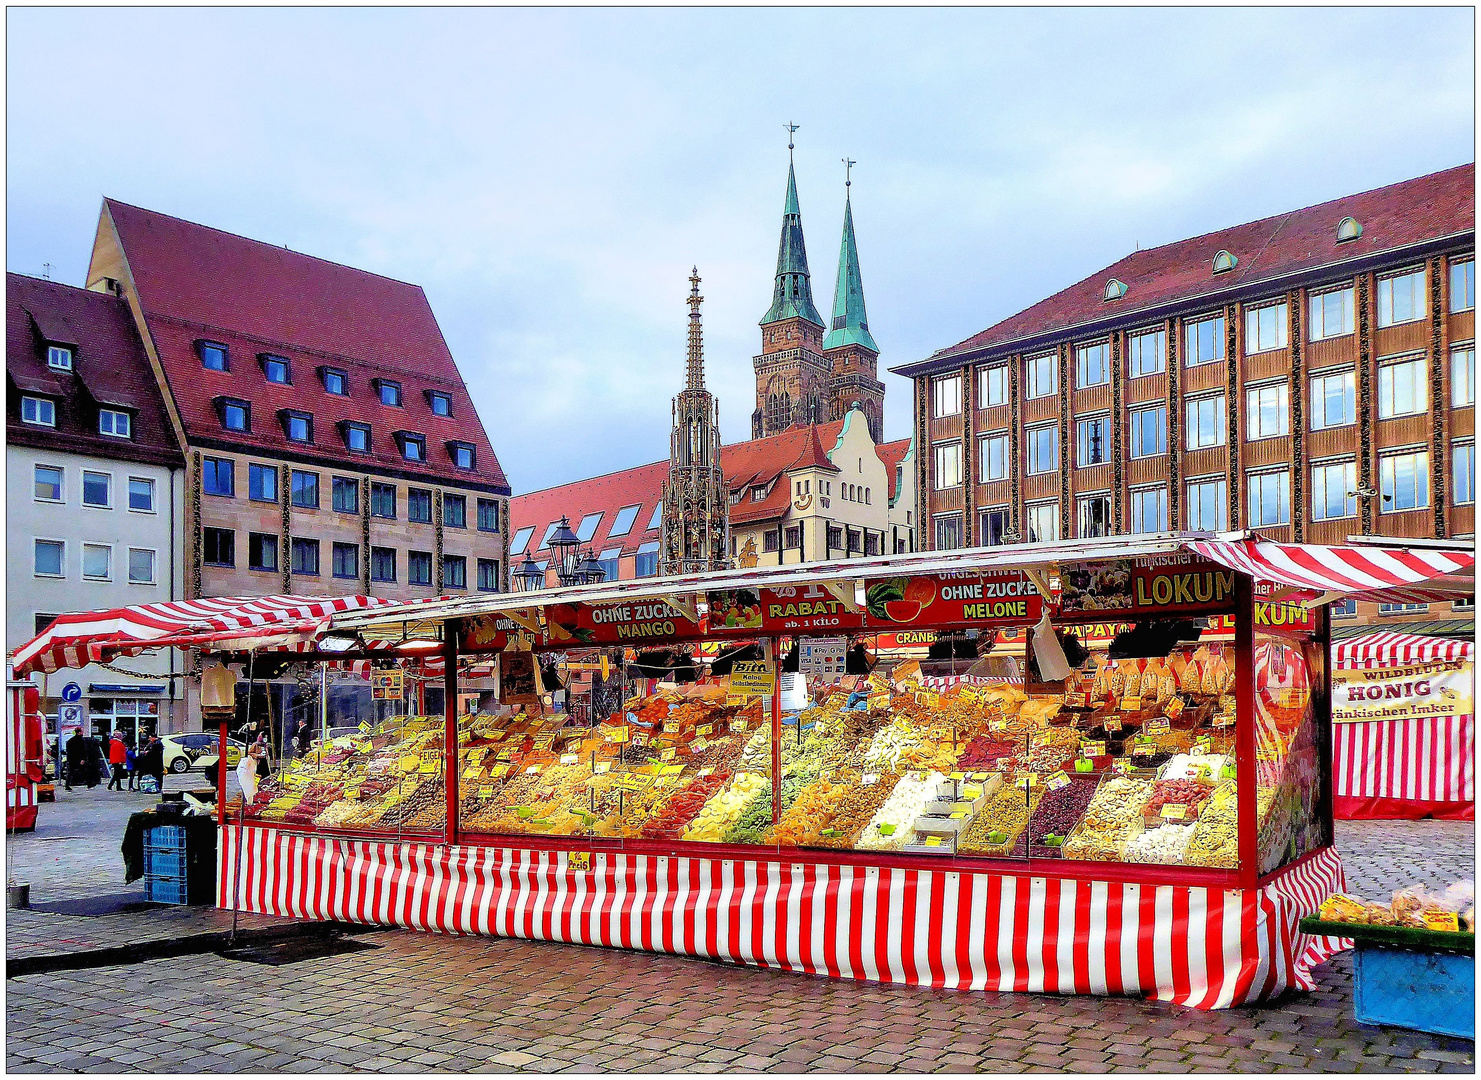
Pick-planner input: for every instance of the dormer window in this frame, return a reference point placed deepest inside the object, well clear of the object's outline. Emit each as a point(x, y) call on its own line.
point(389, 391)
point(1115, 289)
point(276, 369)
point(1224, 261)
point(235, 414)
point(1348, 229)
point(115, 423)
point(335, 381)
point(461, 454)
point(441, 404)
point(39, 411)
point(59, 357)
point(413, 446)
point(297, 426)
point(214, 356)
point(356, 436)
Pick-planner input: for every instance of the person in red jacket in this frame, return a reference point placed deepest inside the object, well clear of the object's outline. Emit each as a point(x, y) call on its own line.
point(118, 753)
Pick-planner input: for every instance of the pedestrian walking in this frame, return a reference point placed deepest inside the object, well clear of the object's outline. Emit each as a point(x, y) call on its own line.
point(117, 755)
point(302, 737)
point(131, 766)
point(151, 762)
point(76, 752)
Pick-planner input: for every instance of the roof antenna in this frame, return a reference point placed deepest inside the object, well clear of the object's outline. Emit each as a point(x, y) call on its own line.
point(46, 271)
point(791, 127)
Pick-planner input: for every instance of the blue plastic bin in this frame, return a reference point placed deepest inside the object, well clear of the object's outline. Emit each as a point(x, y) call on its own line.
point(166, 890)
point(165, 838)
point(165, 862)
point(1425, 991)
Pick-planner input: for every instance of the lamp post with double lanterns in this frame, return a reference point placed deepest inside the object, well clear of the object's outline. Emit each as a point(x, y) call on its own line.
point(573, 566)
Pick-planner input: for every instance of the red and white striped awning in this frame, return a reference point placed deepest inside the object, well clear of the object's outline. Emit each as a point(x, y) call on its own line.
point(219, 623)
point(1387, 575)
point(1393, 649)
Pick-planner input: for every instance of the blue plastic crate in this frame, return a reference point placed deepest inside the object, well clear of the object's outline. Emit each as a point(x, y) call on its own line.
point(166, 890)
point(164, 862)
point(165, 838)
point(1426, 991)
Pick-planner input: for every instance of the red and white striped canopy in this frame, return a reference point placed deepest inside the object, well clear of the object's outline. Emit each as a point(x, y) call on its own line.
point(219, 623)
point(1392, 649)
point(1388, 575)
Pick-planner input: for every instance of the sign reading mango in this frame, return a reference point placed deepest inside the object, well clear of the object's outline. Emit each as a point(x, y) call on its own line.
point(644, 620)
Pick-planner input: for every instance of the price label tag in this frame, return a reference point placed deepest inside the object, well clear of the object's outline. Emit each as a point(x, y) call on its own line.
point(667, 753)
point(498, 771)
point(471, 772)
point(699, 744)
point(934, 841)
point(1113, 725)
point(578, 860)
point(544, 742)
point(570, 759)
point(929, 698)
point(486, 791)
point(880, 700)
point(704, 772)
point(1158, 723)
point(1056, 780)
point(364, 728)
point(533, 770)
point(997, 727)
point(1441, 920)
point(1093, 749)
point(1076, 701)
point(704, 729)
point(619, 734)
point(738, 725)
point(427, 767)
point(1203, 745)
point(958, 815)
point(604, 766)
point(1227, 772)
point(1174, 811)
point(869, 779)
point(1027, 781)
point(1131, 704)
point(1122, 766)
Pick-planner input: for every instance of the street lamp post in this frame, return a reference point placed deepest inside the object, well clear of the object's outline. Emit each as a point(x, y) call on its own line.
point(573, 566)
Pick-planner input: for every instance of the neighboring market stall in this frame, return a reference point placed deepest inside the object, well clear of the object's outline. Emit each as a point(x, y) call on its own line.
point(1144, 811)
point(1403, 727)
point(23, 756)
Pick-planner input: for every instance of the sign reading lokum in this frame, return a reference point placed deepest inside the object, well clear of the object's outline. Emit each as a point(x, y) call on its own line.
point(789, 609)
point(963, 598)
point(1177, 581)
point(627, 622)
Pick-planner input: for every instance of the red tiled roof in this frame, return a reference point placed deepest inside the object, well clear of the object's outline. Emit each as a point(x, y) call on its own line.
point(745, 464)
point(892, 453)
point(109, 367)
point(1426, 208)
point(196, 282)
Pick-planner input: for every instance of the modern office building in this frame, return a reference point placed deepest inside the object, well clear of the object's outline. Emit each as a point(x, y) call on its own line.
point(1309, 375)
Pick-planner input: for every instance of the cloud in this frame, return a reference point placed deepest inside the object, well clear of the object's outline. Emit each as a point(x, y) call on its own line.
point(550, 176)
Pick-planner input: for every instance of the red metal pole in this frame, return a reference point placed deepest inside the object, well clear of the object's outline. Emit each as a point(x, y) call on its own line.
point(221, 776)
point(1321, 704)
point(451, 631)
point(776, 732)
point(1244, 730)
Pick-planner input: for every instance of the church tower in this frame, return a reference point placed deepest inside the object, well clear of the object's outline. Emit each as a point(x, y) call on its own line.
point(792, 375)
point(696, 500)
point(849, 347)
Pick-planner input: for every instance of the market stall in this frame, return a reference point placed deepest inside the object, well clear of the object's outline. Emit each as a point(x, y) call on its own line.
point(699, 765)
point(1403, 727)
point(23, 756)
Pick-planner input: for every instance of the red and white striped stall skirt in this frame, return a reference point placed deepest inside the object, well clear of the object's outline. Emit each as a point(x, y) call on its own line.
point(1411, 768)
point(1208, 948)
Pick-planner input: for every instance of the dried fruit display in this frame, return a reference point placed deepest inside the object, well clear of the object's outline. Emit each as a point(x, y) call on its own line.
point(1058, 812)
point(998, 826)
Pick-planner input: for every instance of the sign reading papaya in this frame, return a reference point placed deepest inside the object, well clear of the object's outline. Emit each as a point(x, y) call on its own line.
point(635, 622)
point(789, 609)
point(1174, 582)
point(965, 598)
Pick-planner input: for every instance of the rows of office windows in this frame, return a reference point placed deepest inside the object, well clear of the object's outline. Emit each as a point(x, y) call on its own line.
point(219, 478)
point(50, 486)
point(49, 559)
point(1400, 297)
point(1402, 391)
point(219, 548)
point(1403, 485)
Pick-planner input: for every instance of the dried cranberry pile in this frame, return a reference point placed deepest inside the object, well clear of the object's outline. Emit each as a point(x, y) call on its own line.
point(983, 752)
point(1057, 814)
point(1191, 793)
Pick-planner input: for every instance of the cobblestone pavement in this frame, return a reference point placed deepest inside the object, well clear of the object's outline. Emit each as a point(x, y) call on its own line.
point(420, 1002)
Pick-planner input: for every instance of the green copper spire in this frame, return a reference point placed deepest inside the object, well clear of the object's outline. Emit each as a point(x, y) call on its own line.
point(792, 295)
point(850, 324)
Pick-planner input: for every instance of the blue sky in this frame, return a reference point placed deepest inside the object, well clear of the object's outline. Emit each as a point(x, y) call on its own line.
point(549, 177)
